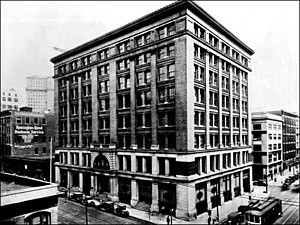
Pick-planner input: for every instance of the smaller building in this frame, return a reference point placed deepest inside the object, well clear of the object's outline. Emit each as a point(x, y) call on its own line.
point(26, 142)
point(27, 201)
point(267, 145)
point(9, 99)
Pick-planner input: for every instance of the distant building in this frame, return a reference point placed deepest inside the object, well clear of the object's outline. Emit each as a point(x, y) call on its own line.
point(9, 99)
point(156, 113)
point(267, 145)
point(25, 142)
point(40, 93)
point(290, 139)
point(27, 201)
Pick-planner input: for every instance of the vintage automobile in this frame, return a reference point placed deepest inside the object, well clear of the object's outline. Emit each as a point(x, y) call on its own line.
point(107, 207)
point(77, 197)
point(63, 192)
point(93, 202)
point(121, 211)
point(85, 199)
point(260, 182)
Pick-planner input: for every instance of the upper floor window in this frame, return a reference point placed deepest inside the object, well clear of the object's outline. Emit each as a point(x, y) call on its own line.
point(144, 58)
point(124, 82)
point(166, 51)
point(199, 72)
point(166, 94)
point(103, 70)
point(213, 78)
point(199, 95)
point(166, 72)
point(143, 77)
point(104, 86)
point(123, 64)
point(86, 60)
point(213, 98)
point(213, 41)
point(143, 98)
point(235, 55)
point(171, 29)
point(199, 31)
point(199, 52)
point(225, 49)
point(103, 54)
point(225, 83)
point(86, 75)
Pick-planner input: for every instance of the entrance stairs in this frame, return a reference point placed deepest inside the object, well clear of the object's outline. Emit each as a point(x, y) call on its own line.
point(143, 206)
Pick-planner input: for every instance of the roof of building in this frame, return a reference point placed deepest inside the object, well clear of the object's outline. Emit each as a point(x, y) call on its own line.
point(265, 116)
point(149, 18)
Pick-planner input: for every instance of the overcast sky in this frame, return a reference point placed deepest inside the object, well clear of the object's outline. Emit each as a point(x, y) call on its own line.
point(30, 30)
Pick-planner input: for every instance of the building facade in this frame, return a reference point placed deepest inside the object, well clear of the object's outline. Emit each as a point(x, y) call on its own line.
point(290, 140)
point(40, 93)
point(157, 112)
point(9, 99)
point(267, 145)
point(25, 142)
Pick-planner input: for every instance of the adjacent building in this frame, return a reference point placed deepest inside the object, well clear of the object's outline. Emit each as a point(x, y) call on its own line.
point(9, 99)
point(27, 201)
point(26, 142)
point(156, 112)
point(267, 145)
point(290, 139)
point(40, 93)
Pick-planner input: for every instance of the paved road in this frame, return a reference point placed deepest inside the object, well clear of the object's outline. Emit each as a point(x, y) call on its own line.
point(74, 213)
point(290, 204)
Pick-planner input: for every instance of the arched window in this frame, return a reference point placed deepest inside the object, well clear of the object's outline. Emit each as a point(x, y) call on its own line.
point(101, 162)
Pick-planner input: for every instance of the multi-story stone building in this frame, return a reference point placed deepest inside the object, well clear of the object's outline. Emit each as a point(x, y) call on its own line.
point(157, 112)
point(289, 139)
point(25, 142)
point(267, 145)
point(40, 93)
point(9, 99)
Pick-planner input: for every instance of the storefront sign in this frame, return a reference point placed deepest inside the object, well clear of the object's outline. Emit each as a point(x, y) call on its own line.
point(23, 146)
point(34, 130)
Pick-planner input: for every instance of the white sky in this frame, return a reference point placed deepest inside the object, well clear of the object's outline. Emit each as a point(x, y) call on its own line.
point(29, 30)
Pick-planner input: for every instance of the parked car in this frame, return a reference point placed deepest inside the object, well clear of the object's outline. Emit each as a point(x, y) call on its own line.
point(107, 207)
point(93, 202)
point(260, 182)
point(121, 211)
point(63, 191)
point(85, 199)
point(77, 197)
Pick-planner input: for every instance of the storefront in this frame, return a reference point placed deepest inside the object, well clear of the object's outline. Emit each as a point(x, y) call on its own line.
point(201, 198)
point(124, 190)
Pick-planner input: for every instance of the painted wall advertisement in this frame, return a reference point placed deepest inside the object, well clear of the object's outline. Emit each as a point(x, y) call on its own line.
point(28, 133)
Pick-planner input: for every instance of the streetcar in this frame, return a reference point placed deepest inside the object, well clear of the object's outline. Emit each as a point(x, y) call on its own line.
point(264, 212)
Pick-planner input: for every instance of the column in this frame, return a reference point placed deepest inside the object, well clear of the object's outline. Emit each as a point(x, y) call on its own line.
point(81, 181)
point(96, 183)
point(230, 107)
point(154, 116)
point(232, 185)
point(93, 182)
point(207, 133)
point(132, 105)
point(221, 162)
point(95, 105)
point(208, 164)
point(250, 178)
point(133, 163)
point(144, 164)
point(113, 103)
point(220, 103)
point(80, 159)
point(124, 163)
point(113, 186)
point(154, 165)
point(80, 111)
point(240, 108)
point(57, 175)
point(56, 108)
point(184, 86)
point(154, 205)
point(185, 202)
point(134, 193)
point(68, 115)
point(167, 167)
point(70, 179)
point(242, 182)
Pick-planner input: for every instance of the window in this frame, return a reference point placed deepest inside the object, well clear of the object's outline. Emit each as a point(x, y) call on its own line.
point(171, 29)
point(104, 104)
point(143, 98)
point(104, 123)
point(19, 120)
point(235, 104)
point(143, 77)
point(214, 140)
point(124, 82)
point(4, 98)
point(36, 151)
point(161, 33)
point(225, 101)
point(166, 72)
point(213, 98)
point(44, 150)
point(27, 120)
point(166, 95)
point(87, 90)
point(270, 136)
point(225, 140)
point(199, 31)
point(103, 54)
point(213, 78)
point(35, 120)
point(103, 70)
point(104, 86)
point(199, 95)
point(199, 73)
point(225, 83)
point(235, 122)
point(199, 118)
point(124, 101)
point(199, 141)
point(213, 41)
point(166, 118)
point(144, 141)
point(143, 120)
point(167, 141)
point(213, 120)
point(225, 121)
point(199, 52)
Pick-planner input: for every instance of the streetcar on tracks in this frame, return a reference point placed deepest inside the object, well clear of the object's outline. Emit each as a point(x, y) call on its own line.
point(263, 212)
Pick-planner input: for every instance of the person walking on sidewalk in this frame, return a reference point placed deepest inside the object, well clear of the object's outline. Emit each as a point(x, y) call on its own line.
point(168, 220)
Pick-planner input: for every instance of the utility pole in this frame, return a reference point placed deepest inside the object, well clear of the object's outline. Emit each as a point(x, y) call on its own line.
point(51, 159)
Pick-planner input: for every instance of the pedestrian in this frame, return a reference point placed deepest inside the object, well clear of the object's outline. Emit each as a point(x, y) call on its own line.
point(275, 180)
point(168, 220)
point(208, 220)
point(195, 215)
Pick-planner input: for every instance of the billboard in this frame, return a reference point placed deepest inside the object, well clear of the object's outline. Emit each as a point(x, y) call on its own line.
point(28, 133)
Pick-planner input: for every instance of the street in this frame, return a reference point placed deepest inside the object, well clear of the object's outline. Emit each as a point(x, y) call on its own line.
point(74, 213)
point(290, 204)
